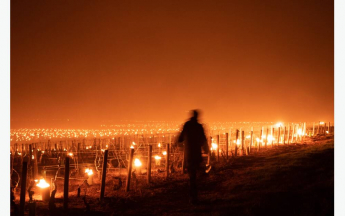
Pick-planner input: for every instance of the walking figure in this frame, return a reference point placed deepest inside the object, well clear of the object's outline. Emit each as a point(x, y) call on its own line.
point(194, 139)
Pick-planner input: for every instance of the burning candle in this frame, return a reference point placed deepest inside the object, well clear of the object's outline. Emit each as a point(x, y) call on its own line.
point(158, 160)
point(138, 164)
point(45, 189)
point(90, 176)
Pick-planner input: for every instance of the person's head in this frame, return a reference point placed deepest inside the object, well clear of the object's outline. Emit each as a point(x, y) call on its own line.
point(195, 114)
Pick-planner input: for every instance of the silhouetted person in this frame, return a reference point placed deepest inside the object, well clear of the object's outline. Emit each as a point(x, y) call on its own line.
point(194, 139)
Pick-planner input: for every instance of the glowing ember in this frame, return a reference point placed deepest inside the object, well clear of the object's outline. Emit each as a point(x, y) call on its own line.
point(164, 153)
point(137, 162)
point(89, 171)
point(42, 184)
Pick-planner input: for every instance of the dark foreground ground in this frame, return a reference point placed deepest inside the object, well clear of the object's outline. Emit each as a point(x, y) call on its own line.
point(289, 180)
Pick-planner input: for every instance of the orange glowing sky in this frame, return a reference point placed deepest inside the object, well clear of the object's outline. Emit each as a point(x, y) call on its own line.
point(106, 61)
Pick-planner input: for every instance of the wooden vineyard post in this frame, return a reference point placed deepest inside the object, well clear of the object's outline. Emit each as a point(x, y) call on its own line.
point(184, 161)
point(318, 128)
point(329, 127)
point(261, 134)
point(272, 136)
point(251, 140)
point(130, 162)
point(218, 147)
point(266, 140)
point(278, 136)
point(313, 128)
point(289, 129)
point(35, 164)
point(31, 174)
point(167, 161)
point(104, 173)
point(324, 128)
point(227, 145)
point(236, 148)
point(65, 186)
point(149, 164)
point(243, 143)
point(23, 188)
point(284, 135)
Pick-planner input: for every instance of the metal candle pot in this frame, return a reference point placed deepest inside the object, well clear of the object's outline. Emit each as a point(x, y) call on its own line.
point(45, 189)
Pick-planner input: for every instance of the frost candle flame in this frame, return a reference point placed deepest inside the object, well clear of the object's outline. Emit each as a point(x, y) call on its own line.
point(90, 176)
point(137, 162)
point(45, 189)
point(158, 160)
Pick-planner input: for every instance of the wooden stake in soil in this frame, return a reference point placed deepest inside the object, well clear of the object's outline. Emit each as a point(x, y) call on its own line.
point(104, 173)
point(227, 145)
point(284, 135)
point(130, 162)
point(66, 183)
point(243, 143)
point(251, 139)
point(167, 161)
point(218, 147)
point(272, 136)
point(236, 148)
point(278, 136)
point(149, 164)
point(23, 188)
point(266, 138)
point(35, 164)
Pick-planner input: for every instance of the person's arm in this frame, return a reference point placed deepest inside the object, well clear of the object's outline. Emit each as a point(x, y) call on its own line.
point(204, 141)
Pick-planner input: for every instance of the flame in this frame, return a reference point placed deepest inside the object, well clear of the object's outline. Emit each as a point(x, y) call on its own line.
point(270, 138)
point(33, 157)
point(157, 157)
point(159, 145)
point(299, 132)
point(132, 147)
point(89, 171)
point(137, 162)
point(279, 124)
point(214, 146)
point(164, 153)
point(322, 122)
point(42, 184)
point(70, 154)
